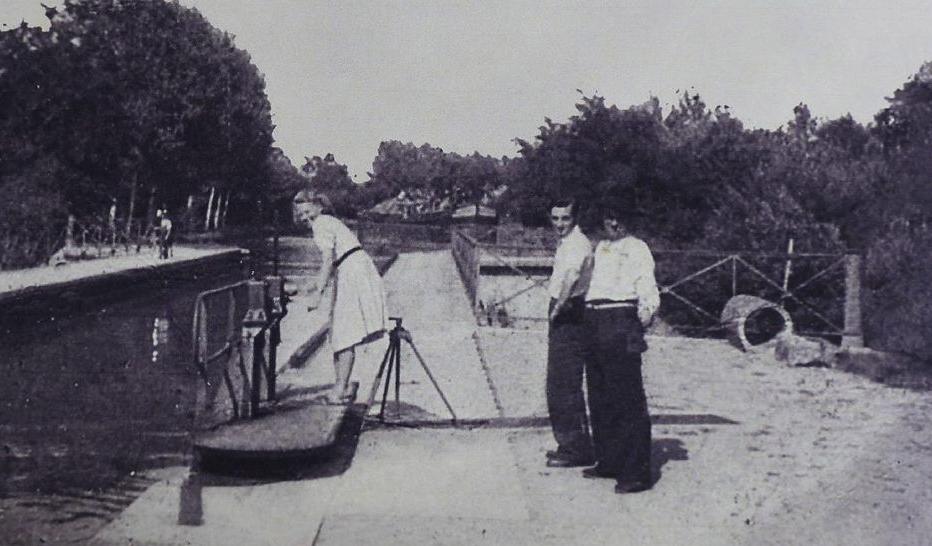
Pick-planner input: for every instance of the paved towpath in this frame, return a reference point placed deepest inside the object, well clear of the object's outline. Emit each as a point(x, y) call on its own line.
point(17, 281)
point(746, 451)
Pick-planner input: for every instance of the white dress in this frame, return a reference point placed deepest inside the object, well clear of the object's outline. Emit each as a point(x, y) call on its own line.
point(358, 310)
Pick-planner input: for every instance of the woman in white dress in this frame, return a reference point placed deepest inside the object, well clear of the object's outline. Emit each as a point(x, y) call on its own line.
point(358, 310)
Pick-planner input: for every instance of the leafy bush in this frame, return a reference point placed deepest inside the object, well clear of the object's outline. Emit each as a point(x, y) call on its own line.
point(32, 222)
point(898, 294)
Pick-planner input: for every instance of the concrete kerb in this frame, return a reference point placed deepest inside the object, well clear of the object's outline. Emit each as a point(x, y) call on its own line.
point(306, 351)
point(95, 279)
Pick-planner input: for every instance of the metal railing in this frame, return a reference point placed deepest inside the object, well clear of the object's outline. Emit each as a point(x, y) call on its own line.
point(466, 254)
point(236, 333)
point(93, 237)
point(472, 256)
point(821, 290)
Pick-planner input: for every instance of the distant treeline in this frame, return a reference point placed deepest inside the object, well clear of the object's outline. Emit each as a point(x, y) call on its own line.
point(699, 179)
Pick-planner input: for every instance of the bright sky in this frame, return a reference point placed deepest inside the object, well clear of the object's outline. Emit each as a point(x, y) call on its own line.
point(344, 75)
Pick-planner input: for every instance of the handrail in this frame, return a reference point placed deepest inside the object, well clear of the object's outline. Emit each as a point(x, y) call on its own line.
point(467, 250)
point(195, 323)
point(248, 354)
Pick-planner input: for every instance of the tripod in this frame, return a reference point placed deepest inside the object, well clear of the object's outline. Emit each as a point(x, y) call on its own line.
point(392, 361)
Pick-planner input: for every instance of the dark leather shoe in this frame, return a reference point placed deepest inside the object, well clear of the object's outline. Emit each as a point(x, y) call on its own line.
point(596, 472)
point(558, 454)
point(631, 487)
point(568, 462)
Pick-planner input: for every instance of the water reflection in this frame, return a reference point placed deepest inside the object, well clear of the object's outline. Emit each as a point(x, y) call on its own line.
point(160, 329)
point(95, 387)
point(93, 391)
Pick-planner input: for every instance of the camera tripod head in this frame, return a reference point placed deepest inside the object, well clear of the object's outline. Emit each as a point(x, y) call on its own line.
point(397, 321)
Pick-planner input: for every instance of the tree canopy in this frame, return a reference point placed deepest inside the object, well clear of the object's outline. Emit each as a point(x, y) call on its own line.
point(144, 102)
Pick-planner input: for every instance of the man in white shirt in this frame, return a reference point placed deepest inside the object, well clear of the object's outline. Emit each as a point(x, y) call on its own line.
point(566, 403)
point(620, 302)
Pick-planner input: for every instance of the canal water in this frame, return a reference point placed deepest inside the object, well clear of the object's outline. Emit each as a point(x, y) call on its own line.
point(96, 389)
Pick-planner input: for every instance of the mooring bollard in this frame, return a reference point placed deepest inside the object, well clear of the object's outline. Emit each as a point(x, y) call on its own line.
point(191, 504)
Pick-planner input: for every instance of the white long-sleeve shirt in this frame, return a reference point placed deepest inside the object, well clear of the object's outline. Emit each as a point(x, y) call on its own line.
point(624, 270)
point(571, 264)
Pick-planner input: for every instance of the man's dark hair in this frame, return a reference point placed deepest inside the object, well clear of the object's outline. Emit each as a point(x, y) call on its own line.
point(563, 203)
point(624, 213)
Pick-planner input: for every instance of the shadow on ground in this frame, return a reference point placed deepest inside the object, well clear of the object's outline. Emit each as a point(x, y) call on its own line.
point(664, 450)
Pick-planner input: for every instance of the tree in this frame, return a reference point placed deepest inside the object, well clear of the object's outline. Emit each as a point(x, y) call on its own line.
point(142, 101)
point(429, 174)
point(332, 179)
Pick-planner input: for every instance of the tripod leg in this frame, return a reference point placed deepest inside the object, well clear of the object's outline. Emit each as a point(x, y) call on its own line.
point(431, 376)
point(392, 363)
point(398, 382)
point(378, 376)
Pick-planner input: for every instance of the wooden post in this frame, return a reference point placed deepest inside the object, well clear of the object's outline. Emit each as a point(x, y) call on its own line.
point(477, 272)
point(853, 335)
point(191, 503)
point(787, 270)
point(734, 276)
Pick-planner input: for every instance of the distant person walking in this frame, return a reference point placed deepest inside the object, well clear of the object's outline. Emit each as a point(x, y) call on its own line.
point(111, 224)
point(358, 307)
point(569, 279)
point(620, 302)
point(166, 235)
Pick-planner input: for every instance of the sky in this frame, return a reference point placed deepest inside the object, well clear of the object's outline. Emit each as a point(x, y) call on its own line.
point(342, 76)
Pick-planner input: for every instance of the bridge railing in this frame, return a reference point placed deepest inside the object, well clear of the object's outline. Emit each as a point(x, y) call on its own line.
point(236, 333)
point(820, 290)
point(466, 254)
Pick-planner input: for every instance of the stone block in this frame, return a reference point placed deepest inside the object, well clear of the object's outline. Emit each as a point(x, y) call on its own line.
point(804, 351)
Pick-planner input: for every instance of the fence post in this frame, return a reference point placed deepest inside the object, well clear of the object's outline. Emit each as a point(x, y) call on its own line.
point(477, 274)
point(853, 335)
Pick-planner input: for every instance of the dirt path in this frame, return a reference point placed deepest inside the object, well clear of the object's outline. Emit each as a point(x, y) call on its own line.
point(748, 451)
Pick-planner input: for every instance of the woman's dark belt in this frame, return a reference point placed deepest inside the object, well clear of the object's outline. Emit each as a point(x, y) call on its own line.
point(611, 304)
point(345, 255)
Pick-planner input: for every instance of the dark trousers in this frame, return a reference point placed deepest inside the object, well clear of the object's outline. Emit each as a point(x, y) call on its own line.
point(617, 402)
point(566, 402)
